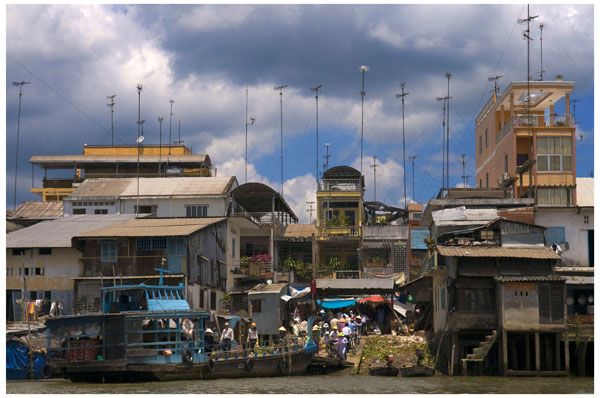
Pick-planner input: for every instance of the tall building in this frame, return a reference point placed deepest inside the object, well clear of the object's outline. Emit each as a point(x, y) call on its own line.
point(517, 147)
point(116, 162)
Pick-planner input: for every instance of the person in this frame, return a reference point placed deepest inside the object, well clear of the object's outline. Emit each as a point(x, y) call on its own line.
point(226, 337)
point(209, 341)
point(282, 336)
point(334, 322)
point(316, 332)
point(252, 336)
point(342, 345)
point(358, 324)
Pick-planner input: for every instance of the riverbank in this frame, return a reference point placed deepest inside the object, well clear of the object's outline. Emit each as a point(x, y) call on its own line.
point(374, 349)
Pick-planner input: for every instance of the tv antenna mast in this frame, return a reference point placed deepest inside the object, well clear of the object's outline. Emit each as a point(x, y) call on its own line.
point(170, 123)
point(363, 69)
point(326, 157)
point(542, 71)
point(112, 126)
point(310, 210)
point(252, 120)
point(20, 84)
point(374, 167)
point(463, 162)
point(179, 120)
point(160, 120)
point(280, 89)
point(411, 159)
point(528, 101)
point(316, 90)
point(495, 80)
point(402, 95)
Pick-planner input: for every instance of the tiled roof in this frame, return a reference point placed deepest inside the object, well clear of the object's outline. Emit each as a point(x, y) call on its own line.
point(38, 211)
point(495, 251)
point(532, 278)
point(300, 231)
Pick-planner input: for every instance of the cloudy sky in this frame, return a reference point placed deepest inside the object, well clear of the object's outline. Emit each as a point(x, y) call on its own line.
point(205, 56)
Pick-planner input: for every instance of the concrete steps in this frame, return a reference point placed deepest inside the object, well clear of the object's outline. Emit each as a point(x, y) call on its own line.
point(476, 358)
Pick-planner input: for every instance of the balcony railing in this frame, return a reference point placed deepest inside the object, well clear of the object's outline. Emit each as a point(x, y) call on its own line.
point(123, 265)
point(334, 231)
point(254, 270)
point(535, 121)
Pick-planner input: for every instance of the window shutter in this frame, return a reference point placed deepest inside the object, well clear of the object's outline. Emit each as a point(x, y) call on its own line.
point(544, 303)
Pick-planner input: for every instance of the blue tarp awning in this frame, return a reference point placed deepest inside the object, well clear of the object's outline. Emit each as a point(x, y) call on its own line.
point(336, 303)
point(17, 361)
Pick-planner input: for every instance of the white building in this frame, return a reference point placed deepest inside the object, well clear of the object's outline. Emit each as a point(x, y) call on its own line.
point(161, 197)
point(572, 227)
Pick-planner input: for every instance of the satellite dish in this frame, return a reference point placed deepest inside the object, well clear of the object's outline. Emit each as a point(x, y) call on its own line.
point(140, 139)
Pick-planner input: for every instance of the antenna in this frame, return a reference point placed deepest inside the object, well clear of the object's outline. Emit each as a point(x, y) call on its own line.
point(495, 80)
point(448, 76)
point(542, 71)
point(252, 120)
point(363, 69)
point(179, 120)
point(112, 126)
point(411, 159)
point(316, 90)
point(170, 122)
point(374, 167)
point(574, 102)
point(529, 40)
point(444, 160)
point(310, 210)
point(463, 162)
point(20, 84)
point(402, 95)
point(280, 89)
point(160, 120)
point(139, 90)
point(326, 157)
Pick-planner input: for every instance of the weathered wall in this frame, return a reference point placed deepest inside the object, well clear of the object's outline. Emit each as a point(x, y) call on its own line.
point(520, 305)
point(58, 268)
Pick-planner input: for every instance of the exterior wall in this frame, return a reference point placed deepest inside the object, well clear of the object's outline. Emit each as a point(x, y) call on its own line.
point(520, 311)
point(440, 311)
point(175, 207)
point(90, 209)
point(271, 316)
point(176, 150)
point(576, 231)
point(59, 267)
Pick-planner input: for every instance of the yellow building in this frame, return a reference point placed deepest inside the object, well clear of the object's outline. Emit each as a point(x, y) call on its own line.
point(339, 221)
point(514, 145)
point(117, 161)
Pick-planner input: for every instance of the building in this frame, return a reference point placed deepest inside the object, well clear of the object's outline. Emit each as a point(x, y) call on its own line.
point(116, 162)
point(497, 302)
point(29, 213)
point(521, 140)
point(384, 251)
point(161, 197)
point(339, 222)
point(295, 251)
point(572, 227)
point(41, 261)
point(203, 251)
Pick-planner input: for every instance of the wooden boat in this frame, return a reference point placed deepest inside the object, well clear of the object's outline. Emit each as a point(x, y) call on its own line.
point(143, 334)
point(388, 370)
point(416, 371)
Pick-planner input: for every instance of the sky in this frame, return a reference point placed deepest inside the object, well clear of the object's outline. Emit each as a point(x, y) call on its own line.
point(205, 57)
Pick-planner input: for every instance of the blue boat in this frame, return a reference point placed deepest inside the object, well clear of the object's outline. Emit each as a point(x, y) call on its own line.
point(149, 333)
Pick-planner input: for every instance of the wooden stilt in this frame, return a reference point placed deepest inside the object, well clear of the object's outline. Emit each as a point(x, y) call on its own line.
point(504, 352)
point(537, 351)
point(527, 352)
point(513, 355)
point(567, 356)
point(556, 351)
point(548, 350)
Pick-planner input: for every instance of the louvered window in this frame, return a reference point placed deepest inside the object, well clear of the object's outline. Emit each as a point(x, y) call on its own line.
point(551, 303)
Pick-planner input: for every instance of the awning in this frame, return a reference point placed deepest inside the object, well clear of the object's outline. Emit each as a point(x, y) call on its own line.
point(402, 308)
point(372, 299)
point(336, 303)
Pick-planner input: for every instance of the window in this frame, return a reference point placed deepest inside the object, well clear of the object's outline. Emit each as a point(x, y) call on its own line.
point(443, 298)
point(233, 247)
point(586, 219)
point(553, 197)
point(487, 180)
point(486, 136)
point(150, 244)
point(78, 211)
point(480, 145)
point(213, 300)
point(108, 251)
point(480, 184)
point(554, 154)
point(146, 209)
point(416, 215)
point(38, 271)
point(196, 210)
point(487, 234)
point(101, 211)
point(44, 251)
point(9, 272)
point(555, 234)
point(506, 163)
point(256, 306)
point(476, 299)
point(18, 252)
point(551, 303)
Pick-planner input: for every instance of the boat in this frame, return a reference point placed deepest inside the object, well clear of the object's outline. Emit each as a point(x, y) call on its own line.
point(388, 370)
point(416, 371)
point(149, 333)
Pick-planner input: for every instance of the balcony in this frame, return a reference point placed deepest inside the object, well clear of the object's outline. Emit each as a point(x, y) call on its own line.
point(124, 265)
point(259, 266)
point(536, 121)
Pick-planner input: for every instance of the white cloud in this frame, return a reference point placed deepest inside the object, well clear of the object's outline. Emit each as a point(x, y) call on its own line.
point(297, 192)
point(205, 18)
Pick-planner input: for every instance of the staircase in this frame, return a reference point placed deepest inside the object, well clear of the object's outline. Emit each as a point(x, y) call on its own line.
point(476, 358)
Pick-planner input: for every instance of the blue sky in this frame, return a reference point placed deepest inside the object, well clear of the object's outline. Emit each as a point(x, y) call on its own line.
point(206, 56)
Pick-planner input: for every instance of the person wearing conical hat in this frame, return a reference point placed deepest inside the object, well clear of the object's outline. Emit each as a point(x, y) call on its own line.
point(209, 341)
point(252, 336)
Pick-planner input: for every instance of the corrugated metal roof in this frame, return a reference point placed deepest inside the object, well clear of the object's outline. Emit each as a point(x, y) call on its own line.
point(495, 251)
point(392, 232)
point(266, 288)
point(170, 186)
point(137, 227)
point(585, 191)
point(59, 232)
point(463, 214)
point(300, 231)
point(363, 283)
point(579, 280)
point(417, 238)
point(541, 278)
point(59, 160)
point(38, 211)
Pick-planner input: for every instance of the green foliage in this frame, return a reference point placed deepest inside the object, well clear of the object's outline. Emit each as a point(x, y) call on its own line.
point(338, 221)
point(227, 299)
point(300, 268)
point(334, 264)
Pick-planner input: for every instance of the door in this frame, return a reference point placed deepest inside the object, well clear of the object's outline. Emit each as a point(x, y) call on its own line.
point(175, 255)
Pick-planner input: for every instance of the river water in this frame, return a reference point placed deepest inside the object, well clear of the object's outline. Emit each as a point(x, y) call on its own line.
point(340, 382)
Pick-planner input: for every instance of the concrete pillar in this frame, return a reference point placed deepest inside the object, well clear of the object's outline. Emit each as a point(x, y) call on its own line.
point(568, 105)
point(537, 351)
point(552, 114)
point(527, 353)
point(504, 351)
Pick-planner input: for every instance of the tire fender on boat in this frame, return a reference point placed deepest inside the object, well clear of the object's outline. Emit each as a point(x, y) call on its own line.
point(47, 371)
point(187, 357)
point(211, 364)
point(249, 364)
point(283, 366)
